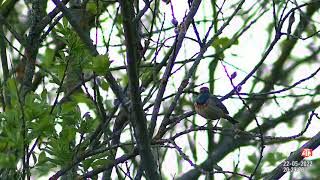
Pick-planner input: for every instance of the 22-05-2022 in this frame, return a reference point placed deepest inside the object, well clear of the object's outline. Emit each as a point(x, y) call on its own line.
point(295, 166)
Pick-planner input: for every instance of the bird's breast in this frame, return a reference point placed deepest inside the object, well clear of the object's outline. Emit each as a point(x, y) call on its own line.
point(201, 108)
point(209, 111)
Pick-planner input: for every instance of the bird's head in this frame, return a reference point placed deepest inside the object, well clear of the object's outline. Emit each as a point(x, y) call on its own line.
point(203, 96)
point(204, 89)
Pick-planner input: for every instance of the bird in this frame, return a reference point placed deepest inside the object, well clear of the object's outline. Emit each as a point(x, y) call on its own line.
point(210, 107)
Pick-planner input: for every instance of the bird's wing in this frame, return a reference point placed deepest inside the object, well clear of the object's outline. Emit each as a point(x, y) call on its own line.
point(218, 103)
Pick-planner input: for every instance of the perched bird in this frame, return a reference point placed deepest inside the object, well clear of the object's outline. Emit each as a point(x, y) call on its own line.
point(210, 107)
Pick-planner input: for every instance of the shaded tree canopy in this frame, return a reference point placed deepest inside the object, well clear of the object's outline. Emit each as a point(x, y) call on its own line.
point(105, 89)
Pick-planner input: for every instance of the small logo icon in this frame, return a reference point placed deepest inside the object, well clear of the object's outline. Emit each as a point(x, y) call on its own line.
point(306, 152)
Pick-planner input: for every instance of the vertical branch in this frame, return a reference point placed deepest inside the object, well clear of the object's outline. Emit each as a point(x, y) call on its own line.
point(137, 116)
point(5, 69)
point(28, 69)
point(32, 46)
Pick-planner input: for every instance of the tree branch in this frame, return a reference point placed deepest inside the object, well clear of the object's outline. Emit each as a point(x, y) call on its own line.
point(137, 116)
point(278, 172)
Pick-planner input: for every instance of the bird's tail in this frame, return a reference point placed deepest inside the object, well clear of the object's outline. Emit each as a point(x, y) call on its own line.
point(230, 119)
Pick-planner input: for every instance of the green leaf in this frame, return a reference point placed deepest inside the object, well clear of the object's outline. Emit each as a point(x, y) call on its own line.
point(253, 158)
point(44, 95)
point(62, 39)
point(92, 8)
point(45, 125)
point(68, 134)
point(248, 169)
point(29, 99)
point(62, 55)
point(43, 169)
point(87, 163)
point(87, 126)
point(13, 90)
point(42, 158)
point(55, 80)
point(147, 73)
point(104, 85)
point(48, 58)
point(100, 64)
point(223, 42)
point(81, 98)
point(271, 158)
point(100, 162)
point(60, 150)
point(60, 28)
point(3, 144)
point(7, 160)
point(65, 22)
